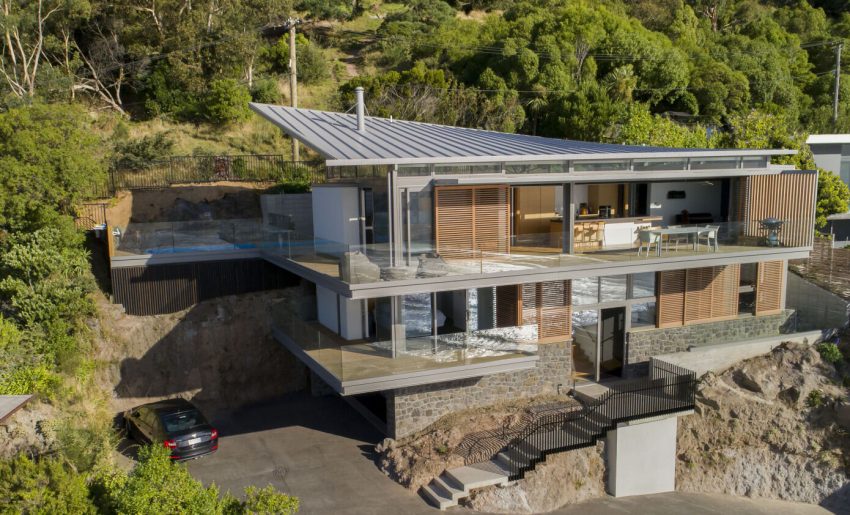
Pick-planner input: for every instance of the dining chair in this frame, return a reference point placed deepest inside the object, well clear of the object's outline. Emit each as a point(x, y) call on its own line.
point(648, 239)
point(709, 235)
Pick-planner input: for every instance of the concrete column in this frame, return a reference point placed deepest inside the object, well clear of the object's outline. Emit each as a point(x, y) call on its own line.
point(642, 457)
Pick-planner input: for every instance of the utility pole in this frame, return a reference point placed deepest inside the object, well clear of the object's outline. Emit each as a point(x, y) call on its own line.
point(837, 83)
point(293, 78)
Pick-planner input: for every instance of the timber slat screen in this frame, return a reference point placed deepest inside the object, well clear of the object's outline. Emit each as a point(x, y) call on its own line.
point(788, 196)
point(159, 289)
point(471, 219)
point(548, 305)
point(671, 298)
point(770, 280)
point(698, 295)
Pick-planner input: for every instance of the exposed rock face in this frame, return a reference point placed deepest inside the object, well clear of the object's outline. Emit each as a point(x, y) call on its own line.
point(219, 353)
point(565, 478)
point(759, 431)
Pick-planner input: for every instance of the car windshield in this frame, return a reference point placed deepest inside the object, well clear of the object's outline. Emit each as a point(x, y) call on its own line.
point(176, 422)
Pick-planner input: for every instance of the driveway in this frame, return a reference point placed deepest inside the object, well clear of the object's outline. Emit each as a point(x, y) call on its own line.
point(319, 449)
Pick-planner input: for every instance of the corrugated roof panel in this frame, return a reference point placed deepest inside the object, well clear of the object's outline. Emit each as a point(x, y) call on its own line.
point(335, 136)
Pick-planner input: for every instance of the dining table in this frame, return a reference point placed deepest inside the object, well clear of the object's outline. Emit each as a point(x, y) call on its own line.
point(691, 232)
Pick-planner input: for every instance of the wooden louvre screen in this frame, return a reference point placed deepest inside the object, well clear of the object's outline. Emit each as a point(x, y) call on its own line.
point(507, 305)
point(671, 298)
point(470, 219)
point(548, 304)
point(711, 293)
point(788, 196)
point(770, 280)
point(697, 295)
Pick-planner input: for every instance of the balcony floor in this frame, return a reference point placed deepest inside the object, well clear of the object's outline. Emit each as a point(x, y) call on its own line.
point(357, 360)
point(526, 258)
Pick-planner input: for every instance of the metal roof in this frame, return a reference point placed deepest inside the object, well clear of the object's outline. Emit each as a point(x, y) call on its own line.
point(10, 404)
point(826, 139)
point(388, 141)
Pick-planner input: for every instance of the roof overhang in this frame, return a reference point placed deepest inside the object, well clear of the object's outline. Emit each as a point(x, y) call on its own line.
point(536, 158)
point(828, 139)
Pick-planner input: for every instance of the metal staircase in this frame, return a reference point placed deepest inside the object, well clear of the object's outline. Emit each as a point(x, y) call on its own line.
point(667, 390)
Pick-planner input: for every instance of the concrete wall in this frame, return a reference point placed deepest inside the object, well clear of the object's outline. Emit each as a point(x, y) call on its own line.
point(336, 213)
point(815, 308)
point(828, 156)
point(644, 343)
point(699, 198)
point(717, 358)
point(412, 409)
point(642, 457)
point(326, 308)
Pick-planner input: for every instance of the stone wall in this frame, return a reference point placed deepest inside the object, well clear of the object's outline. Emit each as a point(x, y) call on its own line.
point(644, 343)
point(414, 408)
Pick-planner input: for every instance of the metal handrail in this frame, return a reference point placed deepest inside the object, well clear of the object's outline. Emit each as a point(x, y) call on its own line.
point(668, 389)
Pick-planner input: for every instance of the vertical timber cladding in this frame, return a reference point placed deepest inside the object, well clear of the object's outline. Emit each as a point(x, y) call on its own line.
point(159, 289)
point(770, 279)
point(470, 219)
point(698, 295)
point(788, 196)
point(548, 304)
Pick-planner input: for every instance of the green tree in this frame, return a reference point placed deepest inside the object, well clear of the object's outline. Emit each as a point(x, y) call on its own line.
point(833, 196)
point(49, 160)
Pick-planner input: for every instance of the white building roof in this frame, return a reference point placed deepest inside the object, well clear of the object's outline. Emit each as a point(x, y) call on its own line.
point(388, 141)
point(827, 139)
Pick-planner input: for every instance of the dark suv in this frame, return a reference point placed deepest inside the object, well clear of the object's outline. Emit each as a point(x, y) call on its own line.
point(175, 423)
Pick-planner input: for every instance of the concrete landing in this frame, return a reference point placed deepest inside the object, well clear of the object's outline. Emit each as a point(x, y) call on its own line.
point(719, 357)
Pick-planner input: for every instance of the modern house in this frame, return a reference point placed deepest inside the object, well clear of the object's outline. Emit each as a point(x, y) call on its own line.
point(445, 268)
point(832, 153)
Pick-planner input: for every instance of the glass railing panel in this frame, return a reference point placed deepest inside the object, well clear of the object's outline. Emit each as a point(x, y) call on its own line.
point(357, 360)
point(612, 241)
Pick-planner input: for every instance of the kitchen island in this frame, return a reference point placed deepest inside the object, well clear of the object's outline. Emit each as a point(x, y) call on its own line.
point(594, 232)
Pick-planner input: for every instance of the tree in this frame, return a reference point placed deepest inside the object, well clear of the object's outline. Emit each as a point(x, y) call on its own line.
point(49, 160)
point(44, 486)
point(833, 196)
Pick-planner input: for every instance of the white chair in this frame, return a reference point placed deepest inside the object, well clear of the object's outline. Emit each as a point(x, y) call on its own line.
point(709, 235)
point(648, 239)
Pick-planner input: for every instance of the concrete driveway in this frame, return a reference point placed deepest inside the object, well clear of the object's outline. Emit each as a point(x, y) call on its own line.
point(320, 449)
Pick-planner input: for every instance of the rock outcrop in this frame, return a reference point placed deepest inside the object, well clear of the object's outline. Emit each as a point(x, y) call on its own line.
point(770, 427)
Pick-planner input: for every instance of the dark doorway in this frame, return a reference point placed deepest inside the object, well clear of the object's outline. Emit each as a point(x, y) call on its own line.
point(612, 340)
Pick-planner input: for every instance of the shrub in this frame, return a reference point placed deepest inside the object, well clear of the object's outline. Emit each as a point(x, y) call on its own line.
point(137, 153)
point(261, 500)
point(156, 485)
point(830, 352)
point(815, 399)
point(44, 486)
point(265, 91)
point(227, 101)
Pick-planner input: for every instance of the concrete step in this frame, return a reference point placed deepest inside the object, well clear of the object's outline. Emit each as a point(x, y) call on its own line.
point(448, 487)
point(436, 497)
point(479, 475)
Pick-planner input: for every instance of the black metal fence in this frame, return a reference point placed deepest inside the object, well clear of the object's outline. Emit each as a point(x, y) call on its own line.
point(201, 169)
point(668, 389)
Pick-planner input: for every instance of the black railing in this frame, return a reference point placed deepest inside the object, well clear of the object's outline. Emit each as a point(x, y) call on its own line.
point(668, 389)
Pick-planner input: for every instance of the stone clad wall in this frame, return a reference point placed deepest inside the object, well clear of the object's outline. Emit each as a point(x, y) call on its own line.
point(643, 344)
point(414, 408)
